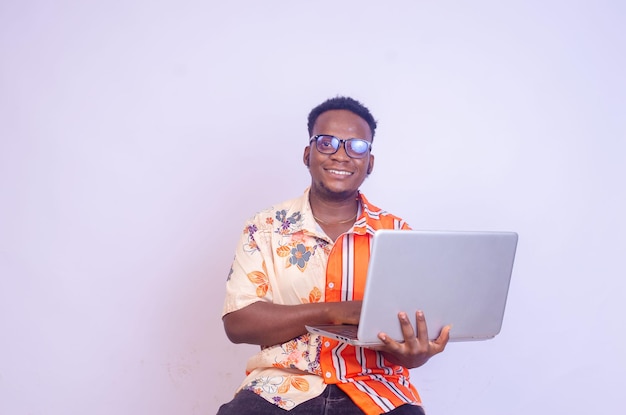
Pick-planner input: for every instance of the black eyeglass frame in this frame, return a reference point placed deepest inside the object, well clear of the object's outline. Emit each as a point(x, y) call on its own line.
point(340, 143)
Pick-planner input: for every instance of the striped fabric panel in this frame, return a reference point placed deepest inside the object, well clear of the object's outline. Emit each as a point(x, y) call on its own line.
point(374, 384)
point(375, 397)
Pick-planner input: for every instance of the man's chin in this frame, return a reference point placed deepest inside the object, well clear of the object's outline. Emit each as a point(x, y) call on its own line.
point(338, 194)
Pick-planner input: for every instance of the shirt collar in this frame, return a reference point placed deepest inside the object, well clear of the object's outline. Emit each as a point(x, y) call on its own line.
point(366, 223)
point(369, 221)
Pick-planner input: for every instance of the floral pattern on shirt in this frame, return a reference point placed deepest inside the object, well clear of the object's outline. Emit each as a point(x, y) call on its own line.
point(286, 223)
point(260, 280)
point(315, 296)
point(294, 356)
point(272, 385)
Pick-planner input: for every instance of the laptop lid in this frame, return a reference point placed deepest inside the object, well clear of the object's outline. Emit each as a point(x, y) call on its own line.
point(456, 277)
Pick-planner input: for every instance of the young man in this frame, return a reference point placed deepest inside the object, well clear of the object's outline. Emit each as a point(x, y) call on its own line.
point(304, 261)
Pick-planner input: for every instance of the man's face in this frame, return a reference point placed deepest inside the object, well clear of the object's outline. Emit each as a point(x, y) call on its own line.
point(338, 175)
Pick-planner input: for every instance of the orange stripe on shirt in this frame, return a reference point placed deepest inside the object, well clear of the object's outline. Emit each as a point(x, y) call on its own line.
point(373, 383)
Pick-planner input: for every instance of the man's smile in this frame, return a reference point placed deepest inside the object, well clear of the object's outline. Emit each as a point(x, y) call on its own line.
point(339, 172)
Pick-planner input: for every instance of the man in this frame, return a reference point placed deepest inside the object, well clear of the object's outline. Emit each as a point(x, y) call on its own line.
point(304, 262)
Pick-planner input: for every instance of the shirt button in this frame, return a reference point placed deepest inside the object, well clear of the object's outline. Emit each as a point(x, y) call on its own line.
point(328, 375)
point(327, 344)
point(331, 284)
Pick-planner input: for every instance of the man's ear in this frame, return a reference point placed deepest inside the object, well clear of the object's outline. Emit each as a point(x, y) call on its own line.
point(370, 166)
point(306, 156)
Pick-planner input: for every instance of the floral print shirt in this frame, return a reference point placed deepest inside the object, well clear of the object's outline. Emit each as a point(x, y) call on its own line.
point(284, 257)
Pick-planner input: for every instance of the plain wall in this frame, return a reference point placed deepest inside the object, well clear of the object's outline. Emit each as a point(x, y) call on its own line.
point(137, 136)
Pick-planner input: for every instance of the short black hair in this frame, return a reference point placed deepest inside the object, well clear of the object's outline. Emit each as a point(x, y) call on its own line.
point(342, 103)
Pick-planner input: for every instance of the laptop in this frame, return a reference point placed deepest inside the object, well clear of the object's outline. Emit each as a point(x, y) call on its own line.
point(459, 278)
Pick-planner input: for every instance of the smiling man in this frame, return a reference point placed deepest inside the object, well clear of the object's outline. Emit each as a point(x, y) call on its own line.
point(304, 262)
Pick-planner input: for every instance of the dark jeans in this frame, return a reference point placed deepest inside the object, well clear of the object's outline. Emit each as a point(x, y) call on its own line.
point(332, 401)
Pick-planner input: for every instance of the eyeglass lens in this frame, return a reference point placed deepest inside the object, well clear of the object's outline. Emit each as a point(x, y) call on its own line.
point(355, 147)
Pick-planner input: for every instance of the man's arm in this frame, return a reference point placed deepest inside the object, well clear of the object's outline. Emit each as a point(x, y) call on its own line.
point(267, 324)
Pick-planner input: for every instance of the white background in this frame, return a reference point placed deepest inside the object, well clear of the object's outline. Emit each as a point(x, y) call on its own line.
point(137, 136)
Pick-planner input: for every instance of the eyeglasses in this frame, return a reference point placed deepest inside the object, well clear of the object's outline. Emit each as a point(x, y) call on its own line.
point(329, 144)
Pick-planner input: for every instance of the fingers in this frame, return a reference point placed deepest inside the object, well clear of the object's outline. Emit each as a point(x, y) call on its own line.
point(443, 338)
point(407, 328)
point(408, 335)
point(415, 350)
point(408, 332)
point(439, 344)
point(422, 328)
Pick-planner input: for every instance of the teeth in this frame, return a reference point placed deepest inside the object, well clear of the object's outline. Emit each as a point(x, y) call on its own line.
point(340, 172)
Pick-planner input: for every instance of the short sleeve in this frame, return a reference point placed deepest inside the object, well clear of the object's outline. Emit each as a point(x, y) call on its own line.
point(248, 280)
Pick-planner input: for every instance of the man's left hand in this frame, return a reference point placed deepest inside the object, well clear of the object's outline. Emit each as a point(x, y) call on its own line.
point(415, 350)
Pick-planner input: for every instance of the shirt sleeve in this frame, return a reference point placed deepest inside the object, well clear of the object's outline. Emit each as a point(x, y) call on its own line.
point(248, 281)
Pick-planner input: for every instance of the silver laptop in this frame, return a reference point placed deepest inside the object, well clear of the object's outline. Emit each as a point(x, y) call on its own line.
point(459, 278)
